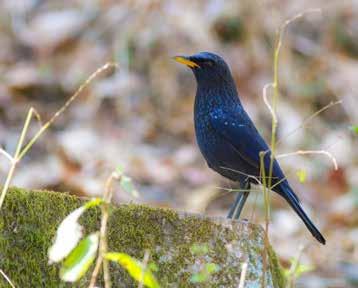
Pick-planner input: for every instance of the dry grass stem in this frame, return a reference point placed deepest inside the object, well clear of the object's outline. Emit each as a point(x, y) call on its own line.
point(145, 264)
point(305, 152)
point(7, 278)
point(103, 247)
point(243, 275)
point(21, 152)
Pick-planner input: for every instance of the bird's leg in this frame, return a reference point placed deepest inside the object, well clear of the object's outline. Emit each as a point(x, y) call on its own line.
point(240, 200)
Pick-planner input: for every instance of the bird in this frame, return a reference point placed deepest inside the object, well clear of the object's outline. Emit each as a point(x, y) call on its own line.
point(228, 138)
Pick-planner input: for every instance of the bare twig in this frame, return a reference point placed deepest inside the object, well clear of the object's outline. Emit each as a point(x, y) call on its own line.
point(304, 152)
point(293, 268)
point(272, 109)
point(107, 196)
point(21, 152)
point(7, 278)
point(243, 275)
point(275, 84)
point(66, 105)
point(144, 270)
point(242, 173)
point(16, 156)
point(264, 94)
point(308, 119)
point(7, 155)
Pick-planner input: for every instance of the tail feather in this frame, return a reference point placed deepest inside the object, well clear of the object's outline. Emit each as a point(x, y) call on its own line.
point(292, 199)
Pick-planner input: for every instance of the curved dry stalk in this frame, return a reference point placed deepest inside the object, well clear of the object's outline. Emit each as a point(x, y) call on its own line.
point(21, 152)
point(272, 109)
point(304, 152)
point(66, 105)
point(267, 103)
point(7, 278)
point(107, 197)
point(309, 118)
point(275, 83)
point(243, 275)
point(15, 159)
point(144, 270)
point(242, 173)
point(294, 266)
point(6, 155)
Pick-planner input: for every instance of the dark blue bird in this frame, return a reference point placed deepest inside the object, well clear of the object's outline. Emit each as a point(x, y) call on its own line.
point(228, 139)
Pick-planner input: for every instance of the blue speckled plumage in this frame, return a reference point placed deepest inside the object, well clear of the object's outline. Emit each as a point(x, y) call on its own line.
point(227, 137)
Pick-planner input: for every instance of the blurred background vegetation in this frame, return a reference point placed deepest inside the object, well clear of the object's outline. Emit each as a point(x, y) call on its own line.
point(140, 116)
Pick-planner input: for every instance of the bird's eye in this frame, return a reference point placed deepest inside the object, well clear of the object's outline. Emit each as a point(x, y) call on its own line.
point(208, 63)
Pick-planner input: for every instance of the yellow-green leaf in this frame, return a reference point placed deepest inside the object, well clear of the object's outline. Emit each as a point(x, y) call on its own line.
point(80, 259)
point(302, 175)
point(93, 203)
point(135, 268)
point(301, 269)
point(354, 129)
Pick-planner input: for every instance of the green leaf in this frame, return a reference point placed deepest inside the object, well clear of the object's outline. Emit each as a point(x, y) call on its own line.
point(135, 268)
point(69, 232)
point(302, 175)
point(354, 128)
point(80, 259)
point(127, 185)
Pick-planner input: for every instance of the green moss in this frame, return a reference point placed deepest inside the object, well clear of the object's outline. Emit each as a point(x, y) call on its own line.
point(29, 220)
point(276, 269)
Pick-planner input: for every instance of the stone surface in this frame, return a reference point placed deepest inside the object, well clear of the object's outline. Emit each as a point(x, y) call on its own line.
point(28, 222)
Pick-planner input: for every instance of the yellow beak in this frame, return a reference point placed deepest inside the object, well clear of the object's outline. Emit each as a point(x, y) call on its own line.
point(183, 60)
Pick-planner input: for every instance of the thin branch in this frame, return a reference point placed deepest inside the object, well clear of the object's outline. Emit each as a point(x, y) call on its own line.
point(231, 190)
point(294, 266)
point(144, 270)
point(243, 275)
point(7, 278)
point(267, 103)
point(275, 83)
point(66, 105)
point(21, 152)
point(16, 156)
point(272, 109)
point(304, 152)
point(107, 196)
point(242, 173)
point(7, 155)
point(308, 119)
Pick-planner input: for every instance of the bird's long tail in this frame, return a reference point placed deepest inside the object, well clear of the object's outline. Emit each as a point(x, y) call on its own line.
point(292, 199)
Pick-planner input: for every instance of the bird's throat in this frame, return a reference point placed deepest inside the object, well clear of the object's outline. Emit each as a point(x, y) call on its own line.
point(209, 96)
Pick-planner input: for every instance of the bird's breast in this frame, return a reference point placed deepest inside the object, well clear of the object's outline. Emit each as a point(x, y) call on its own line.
point(209, 141)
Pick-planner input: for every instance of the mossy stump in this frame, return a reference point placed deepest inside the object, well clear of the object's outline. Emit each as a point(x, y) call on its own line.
point(29, 219)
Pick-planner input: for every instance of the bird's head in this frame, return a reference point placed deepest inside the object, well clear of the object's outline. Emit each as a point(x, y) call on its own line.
point(208, 68)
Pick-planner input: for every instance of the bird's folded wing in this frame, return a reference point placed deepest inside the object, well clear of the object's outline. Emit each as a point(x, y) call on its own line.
point(238, 130)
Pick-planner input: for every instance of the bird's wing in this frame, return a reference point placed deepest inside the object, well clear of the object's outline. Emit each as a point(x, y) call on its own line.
point(238, 130)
